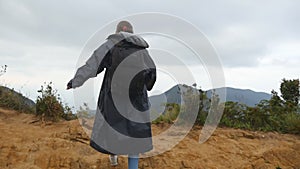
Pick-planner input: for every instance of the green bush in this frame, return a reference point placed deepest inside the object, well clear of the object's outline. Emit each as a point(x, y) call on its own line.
point(68, 114)
point(49, 105)
point(293, 123)
point(169, 116)
point(269, 115)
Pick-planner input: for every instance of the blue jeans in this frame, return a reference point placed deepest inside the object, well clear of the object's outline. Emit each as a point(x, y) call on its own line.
point(133, 161)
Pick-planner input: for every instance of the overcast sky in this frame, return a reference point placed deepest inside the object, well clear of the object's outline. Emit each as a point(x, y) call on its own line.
point(258, 42)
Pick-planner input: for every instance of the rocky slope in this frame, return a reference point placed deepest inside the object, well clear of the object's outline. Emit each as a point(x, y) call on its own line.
point(26, 144)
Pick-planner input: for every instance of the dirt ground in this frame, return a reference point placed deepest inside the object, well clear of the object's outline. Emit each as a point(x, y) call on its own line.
point(26, 144)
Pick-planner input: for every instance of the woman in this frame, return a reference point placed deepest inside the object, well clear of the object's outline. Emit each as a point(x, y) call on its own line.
point(122, 122)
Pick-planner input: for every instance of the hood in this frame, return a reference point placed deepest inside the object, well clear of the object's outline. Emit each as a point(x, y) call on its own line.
point(129, 37)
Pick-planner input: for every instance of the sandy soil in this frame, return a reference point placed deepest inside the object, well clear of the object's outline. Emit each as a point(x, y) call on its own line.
point(25, 144)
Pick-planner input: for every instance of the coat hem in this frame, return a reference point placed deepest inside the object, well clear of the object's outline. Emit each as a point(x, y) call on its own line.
point(101, 150)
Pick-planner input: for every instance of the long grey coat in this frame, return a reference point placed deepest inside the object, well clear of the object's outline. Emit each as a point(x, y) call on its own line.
point(122, 123)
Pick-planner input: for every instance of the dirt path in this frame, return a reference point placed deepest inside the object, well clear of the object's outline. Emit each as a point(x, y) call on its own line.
point(26, 145)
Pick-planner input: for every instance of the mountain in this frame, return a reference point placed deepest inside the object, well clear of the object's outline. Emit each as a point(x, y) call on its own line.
point(245, 96)
point(173, 95)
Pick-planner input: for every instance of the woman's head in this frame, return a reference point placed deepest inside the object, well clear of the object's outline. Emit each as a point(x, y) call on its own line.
point(124, 26)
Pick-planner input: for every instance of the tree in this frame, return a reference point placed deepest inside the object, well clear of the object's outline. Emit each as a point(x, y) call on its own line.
point(290, 93)
point(204, 104)
point(189, 110)
point(276, 103)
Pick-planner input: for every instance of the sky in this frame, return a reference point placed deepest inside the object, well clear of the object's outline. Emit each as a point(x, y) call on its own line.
point(258, 42)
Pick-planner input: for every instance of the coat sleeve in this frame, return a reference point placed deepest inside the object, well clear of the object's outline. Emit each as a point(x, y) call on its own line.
point(93, 66)
point(150, 76)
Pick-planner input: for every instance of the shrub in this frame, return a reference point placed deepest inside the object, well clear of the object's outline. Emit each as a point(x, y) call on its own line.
point(293, 123)
point(49, 105)
point(169, 116)
point(68, 114)
point(85, 112)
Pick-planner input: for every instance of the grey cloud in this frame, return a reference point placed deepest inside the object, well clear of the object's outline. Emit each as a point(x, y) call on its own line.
point(31, 32)
point(70, 24)
point(53, 22)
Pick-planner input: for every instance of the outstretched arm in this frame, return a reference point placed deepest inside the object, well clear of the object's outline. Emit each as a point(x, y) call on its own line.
point(92, 66)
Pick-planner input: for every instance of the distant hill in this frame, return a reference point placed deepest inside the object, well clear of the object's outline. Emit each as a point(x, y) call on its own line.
point(173, 95)
point(245, 96)
point(12, 99)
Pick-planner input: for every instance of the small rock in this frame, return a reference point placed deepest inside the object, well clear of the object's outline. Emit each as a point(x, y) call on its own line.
point(185, 164)
point(250, 136)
